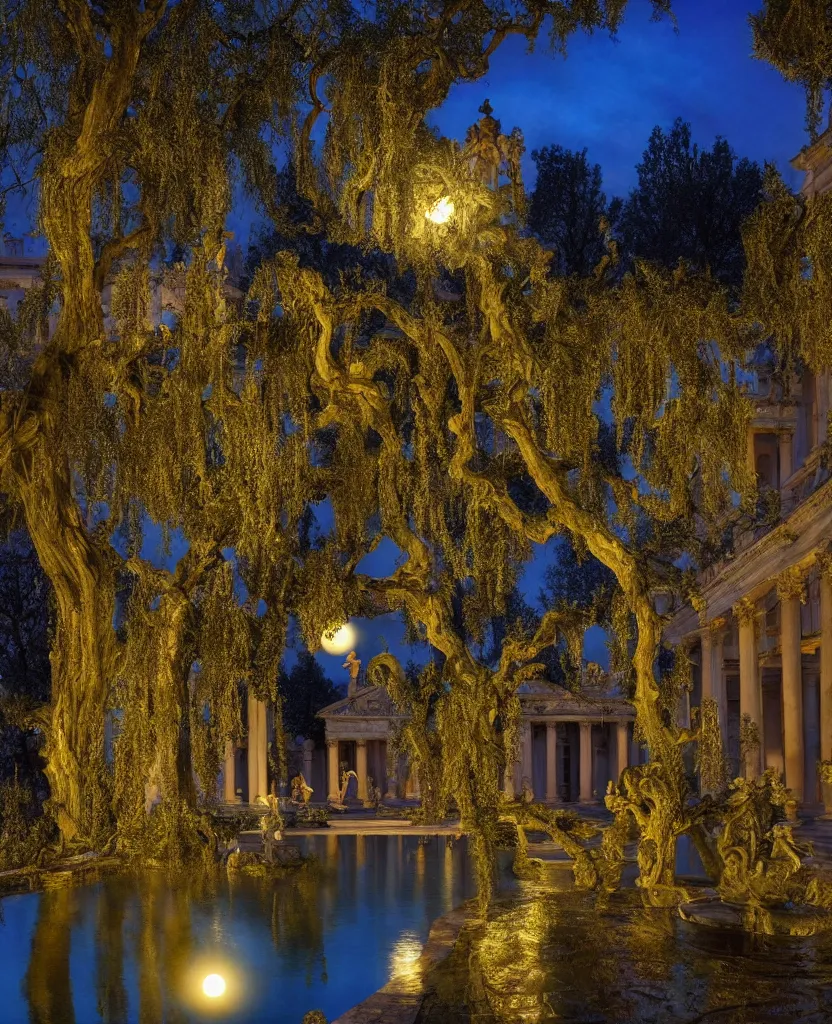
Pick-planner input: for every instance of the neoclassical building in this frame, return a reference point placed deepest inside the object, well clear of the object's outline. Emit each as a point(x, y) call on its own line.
point(763, 642)
point(570, 745)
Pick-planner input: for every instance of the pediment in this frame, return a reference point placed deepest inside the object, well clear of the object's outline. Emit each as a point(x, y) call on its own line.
point(368, 702)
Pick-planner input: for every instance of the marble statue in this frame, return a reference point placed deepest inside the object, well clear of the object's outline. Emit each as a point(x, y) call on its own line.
point(342, 795)
point(354, 665)
point(373, 793)
point(270, 822)
point(489, 151)
point(301, 790)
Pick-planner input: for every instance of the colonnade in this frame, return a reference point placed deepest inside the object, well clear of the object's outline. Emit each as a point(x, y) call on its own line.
point(522, 774)
point(797, 718)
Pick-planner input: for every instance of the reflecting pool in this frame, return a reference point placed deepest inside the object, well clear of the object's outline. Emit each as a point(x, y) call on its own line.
point(144, 949)
point(550, 953)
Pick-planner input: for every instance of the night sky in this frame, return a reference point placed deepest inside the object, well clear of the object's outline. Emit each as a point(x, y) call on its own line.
point(606, 96)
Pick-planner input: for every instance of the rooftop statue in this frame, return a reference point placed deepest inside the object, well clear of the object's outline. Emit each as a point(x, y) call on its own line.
point(354, 665)
point(489, 151)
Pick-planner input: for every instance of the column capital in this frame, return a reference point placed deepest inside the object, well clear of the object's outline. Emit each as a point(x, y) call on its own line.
point(718, 627)
point(745, 611)
point(791, 585)
point(552, 725)
point(361, 743)
point(585, 723)
point(331, 743)
point(824, 560)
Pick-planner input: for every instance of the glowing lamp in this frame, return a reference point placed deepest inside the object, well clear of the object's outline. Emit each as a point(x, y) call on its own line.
point(441, 211)
point(341, 642)
point(214, 986)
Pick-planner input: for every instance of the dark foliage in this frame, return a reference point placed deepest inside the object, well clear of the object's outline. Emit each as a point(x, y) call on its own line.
point(690, 204)
point(304, 691)
point(567, 207)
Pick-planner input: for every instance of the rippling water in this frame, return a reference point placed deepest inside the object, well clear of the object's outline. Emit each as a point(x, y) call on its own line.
point(137, 949)
point(548, 955)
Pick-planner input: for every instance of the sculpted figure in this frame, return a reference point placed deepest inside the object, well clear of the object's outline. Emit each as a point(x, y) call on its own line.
point(354, 665)
point(301, 790)
point(342, 795)
point(489, 151)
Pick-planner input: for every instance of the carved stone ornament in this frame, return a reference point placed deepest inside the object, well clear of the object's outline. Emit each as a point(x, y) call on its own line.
point(824, 560)
point(746, 611)
point(489, 151)
point(717, 627)
point(791, 586)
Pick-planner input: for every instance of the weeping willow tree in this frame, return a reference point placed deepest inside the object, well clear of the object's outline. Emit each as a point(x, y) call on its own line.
point(137, 123)
point(795, 37)
point(115, 418)
point(473, 429)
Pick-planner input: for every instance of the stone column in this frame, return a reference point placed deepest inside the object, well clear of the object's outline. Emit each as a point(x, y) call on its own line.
point(621, 744)
point(706, 658)
point(790, 592)
point(391, 770)
point(551, 762)
point(750, 456)
point(308, 751)
point(586, 762)
point(361, 769)
point(720, 688)
point(332, 770)
point(229, 777)
point(750, 696)
point(257, 749)
point(526, 771)
point(785, 440)
point(825, 564)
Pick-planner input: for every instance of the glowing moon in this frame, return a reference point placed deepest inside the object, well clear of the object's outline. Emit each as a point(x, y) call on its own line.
point(213, 986)
point(441, 211)
point(343, 641)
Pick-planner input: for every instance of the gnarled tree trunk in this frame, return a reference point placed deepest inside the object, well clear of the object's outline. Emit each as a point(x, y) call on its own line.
point(83, 650)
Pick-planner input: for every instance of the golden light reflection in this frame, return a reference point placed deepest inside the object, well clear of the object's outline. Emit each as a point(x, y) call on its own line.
point(441, 211)
point(214, 986)
point(404, 956)
point(342, 641)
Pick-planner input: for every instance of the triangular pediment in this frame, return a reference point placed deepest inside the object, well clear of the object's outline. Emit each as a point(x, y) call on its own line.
point(368, 702)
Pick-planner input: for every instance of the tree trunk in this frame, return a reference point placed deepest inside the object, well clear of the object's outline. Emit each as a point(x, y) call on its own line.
point(83, 650)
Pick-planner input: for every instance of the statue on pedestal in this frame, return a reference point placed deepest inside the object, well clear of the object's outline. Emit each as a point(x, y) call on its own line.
point(354, 665)
point(489, 151)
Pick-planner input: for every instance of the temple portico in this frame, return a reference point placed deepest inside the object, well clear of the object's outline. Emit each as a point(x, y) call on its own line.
point(570, 746)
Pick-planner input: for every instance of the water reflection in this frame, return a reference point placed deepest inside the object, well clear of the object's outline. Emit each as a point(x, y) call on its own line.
point(547, 956)
point(138, 948)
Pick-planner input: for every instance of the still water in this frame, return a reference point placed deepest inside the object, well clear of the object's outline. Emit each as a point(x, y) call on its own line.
point(549, 953)
point(137, 949)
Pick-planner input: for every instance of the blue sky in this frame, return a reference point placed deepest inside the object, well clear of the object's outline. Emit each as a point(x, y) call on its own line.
point(607, 96)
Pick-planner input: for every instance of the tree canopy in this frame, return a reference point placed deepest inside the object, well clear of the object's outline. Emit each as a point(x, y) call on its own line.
point(138, 122)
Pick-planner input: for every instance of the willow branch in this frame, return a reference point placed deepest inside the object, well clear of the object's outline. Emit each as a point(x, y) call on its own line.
point(115, 249)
